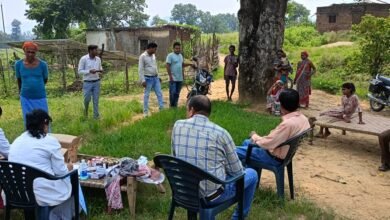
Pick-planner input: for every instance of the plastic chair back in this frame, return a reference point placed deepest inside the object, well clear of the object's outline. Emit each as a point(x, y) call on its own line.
point(184, 179)
point(293, 143)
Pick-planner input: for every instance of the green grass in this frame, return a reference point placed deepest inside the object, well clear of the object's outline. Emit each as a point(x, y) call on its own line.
point(226, 40)
point(113, 81)
point(113, 136)
point(151, 135)
point(67, 114)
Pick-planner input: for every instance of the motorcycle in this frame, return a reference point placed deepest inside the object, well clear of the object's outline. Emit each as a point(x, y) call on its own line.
point(202, 81)
point(379, 93)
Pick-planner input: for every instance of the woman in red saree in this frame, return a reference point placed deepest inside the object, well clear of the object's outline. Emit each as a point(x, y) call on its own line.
point(305, 70)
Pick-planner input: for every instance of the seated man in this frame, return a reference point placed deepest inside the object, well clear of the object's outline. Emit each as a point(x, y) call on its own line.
point(211, 148)
point(293, 123)
point(4, 144)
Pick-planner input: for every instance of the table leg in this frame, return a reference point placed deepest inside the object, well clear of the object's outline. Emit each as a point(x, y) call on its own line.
point(312, 125)
point(384, 143)
point(160, 187)
point(131, 194)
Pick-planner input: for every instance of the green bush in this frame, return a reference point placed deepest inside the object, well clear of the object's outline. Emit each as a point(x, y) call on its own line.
point(374, 33)
point(331, 61)
point(302, 36)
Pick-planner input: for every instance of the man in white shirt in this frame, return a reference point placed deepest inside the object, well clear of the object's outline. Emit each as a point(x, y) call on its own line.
point(90, 67)
point(148, 75)
point(4, 144)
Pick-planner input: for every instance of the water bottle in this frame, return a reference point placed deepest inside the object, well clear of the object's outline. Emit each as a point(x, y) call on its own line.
point(83, 170)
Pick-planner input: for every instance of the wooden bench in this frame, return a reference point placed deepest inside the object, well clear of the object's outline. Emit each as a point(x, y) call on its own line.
point(130, 187)
point(374, 125)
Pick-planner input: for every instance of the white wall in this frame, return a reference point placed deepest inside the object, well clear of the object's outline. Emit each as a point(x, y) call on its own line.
point(98, 38)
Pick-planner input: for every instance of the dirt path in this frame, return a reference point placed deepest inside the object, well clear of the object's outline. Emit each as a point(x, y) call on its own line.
point(339, 172)
point(337, 44)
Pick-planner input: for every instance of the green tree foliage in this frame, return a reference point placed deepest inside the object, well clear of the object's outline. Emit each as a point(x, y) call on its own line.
point(77, 33)
point(374, 33)
point(189, 14)
point(119, 13)
point(55, 16)
point(185, 14)
point(220, 23)
point(16, 33)
point(296, 14)
point(212, 24)
point(3, 38)
point(156, 21)
point(230, 20)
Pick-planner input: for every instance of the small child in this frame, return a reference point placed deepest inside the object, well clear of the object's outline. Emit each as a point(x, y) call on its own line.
point(273, 106)
point(349, 105)
point(282, 67)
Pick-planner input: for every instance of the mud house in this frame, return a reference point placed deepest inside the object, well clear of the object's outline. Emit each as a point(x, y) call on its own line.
point(134, 40)
point(342, 16)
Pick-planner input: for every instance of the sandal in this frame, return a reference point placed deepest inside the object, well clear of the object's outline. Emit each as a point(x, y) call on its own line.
point(384, 167)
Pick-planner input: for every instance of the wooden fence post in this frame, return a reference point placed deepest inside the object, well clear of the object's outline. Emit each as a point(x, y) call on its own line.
point(3, 76)
point(63, 57)
point(126, 74)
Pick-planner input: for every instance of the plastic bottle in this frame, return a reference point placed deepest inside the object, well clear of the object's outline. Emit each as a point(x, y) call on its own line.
point(83, 170)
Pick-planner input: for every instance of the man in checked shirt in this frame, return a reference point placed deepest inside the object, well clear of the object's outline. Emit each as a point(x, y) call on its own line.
point(211, 148)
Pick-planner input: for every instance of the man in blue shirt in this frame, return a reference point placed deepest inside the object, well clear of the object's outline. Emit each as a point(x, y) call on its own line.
point(175, 65)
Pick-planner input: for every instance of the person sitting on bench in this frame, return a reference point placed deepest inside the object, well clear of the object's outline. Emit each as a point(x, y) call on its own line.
point(349, 105)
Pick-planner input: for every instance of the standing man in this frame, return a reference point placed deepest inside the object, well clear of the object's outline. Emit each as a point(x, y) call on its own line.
point(208, 146)
point(32, 74)
point(175, 68)
point(90, 66)
point(230, 71)
point(148, 75)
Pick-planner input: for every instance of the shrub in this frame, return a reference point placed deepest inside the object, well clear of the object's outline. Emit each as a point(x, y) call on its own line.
point(331, 61)
point(302, 36)
point(374, 42)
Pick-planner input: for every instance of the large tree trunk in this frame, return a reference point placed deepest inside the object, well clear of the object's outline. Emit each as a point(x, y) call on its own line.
point(261, 34)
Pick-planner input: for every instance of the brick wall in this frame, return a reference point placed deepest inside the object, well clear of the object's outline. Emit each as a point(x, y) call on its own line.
point(342, 16)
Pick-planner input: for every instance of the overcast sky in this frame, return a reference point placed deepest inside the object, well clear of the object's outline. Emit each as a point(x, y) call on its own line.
point(16, 8)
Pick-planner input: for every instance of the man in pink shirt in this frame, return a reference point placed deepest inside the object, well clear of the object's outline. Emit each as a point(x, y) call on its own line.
point(293, 123)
